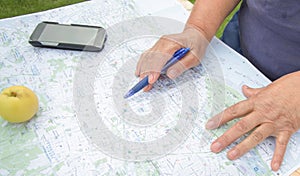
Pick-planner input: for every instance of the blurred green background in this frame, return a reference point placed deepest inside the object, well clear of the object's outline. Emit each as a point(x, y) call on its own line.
point(11, 8)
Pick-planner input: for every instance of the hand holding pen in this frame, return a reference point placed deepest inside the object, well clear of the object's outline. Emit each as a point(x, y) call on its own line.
point(152, 61)
point(179, 54)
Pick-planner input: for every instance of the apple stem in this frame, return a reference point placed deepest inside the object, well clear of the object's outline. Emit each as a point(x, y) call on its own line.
point(13, 94)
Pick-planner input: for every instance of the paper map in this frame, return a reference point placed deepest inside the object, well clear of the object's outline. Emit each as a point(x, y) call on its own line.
point(157, 133)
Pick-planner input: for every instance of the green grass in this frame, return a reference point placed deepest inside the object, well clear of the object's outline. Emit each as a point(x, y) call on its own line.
point(10, 8)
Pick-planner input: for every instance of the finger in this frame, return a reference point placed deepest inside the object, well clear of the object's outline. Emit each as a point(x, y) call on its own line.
point(153, 61)
point(256, 137)
point(140, 61)
point(184, 64)
point(281, 143)
point(138, 66)
point(249, 92)
point(152, 78)
point(236, 131)
point(149, 86)
point(150, 54)
point(237, 110)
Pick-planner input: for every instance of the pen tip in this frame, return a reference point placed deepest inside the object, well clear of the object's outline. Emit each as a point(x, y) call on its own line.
point(127, 95)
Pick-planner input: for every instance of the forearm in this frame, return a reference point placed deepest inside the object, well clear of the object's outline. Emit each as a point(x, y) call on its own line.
point(207, 15)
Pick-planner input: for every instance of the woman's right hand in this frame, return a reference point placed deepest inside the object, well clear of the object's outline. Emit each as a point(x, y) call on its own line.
point(152, 61)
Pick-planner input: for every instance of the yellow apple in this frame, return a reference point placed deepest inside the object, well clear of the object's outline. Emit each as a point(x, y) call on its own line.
point(18, 104)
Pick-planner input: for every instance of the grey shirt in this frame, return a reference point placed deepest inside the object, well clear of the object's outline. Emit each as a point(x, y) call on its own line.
point(270, 35)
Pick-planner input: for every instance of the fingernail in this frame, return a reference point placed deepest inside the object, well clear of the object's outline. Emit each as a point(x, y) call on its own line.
point(216, 147)
point(233, 154)
point(150, 78)
point(276, 166)
point(173, 73)
point(146, 89)
point(210, 125)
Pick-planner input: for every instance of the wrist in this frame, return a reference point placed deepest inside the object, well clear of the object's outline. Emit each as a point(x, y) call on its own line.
point(196, 40)
point(201, 30)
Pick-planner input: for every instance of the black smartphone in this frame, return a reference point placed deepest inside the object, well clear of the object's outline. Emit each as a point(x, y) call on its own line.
point(68, 36)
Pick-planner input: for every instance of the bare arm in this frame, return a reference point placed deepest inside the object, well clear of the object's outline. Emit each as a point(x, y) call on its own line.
point(207, 15)
point(205, 19)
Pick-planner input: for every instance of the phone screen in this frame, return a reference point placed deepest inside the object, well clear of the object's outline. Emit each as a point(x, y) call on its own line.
point(64, 36)
point(69, 34)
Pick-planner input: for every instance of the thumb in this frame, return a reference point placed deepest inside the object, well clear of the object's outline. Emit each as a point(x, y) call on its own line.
point(249, 92)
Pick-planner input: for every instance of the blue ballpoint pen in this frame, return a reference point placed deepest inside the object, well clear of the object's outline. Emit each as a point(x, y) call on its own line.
point(179, 54)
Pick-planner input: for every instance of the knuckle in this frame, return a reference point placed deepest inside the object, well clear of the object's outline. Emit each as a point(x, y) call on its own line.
point(142, 63)
point(278, 156)
point(282, 142)
point(288, 125)
point(174, 73)
point(233, 110)
point(226, 139)
point(263, 115)
point(256, 137)
point(267, 106)
point(195, 60)
point(291, 122)
point(242, 126)
point(179, 66)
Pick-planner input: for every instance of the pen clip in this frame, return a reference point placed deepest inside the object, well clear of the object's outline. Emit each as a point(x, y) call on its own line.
point(176, 57)
point(178, 52)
